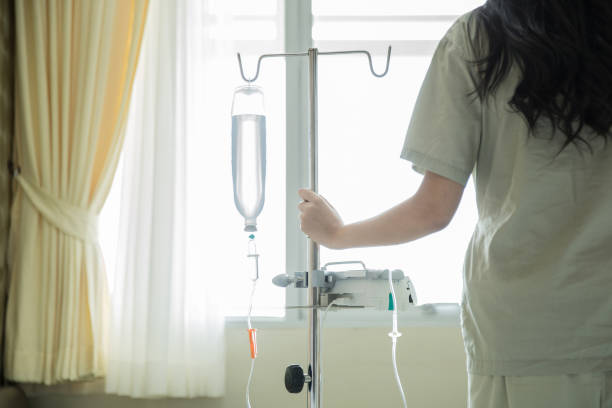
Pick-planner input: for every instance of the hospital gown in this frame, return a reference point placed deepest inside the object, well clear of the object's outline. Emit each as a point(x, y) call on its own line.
point(537, 296)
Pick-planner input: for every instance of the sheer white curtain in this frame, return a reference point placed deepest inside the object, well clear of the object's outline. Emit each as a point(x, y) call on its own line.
point(167, 323)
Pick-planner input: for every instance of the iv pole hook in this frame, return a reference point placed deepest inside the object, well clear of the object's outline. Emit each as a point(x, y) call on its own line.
point(303, 54)
point(242, 71)
point(320, 53)
point(369, 59)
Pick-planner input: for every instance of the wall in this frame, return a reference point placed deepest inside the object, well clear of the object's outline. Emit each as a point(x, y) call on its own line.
point(356, 363)
point(6, 136)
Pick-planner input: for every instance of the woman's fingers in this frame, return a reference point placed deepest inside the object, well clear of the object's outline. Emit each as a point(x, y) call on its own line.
point(319, 220)
point(327, 202)
point(308, 195)
point(303, 205)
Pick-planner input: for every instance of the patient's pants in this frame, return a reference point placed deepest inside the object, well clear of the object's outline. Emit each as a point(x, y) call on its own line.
point(592, 390)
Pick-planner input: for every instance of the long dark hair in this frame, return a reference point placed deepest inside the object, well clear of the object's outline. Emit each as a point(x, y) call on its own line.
point(563, 49)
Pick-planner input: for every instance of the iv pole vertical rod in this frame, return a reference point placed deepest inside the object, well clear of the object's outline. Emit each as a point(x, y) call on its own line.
point(314, 395)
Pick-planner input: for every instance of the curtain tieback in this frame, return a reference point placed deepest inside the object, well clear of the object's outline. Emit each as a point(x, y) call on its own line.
point(68, 218)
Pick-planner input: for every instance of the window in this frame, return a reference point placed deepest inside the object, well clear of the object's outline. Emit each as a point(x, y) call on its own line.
point(253, 30)
point(362, 122)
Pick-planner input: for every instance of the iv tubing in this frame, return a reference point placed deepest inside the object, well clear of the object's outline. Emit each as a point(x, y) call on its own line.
point(252, 253)
point(394, 335)
point(248, 400)
point(321, 324)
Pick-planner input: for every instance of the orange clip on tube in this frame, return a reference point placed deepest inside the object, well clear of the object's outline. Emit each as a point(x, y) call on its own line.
point(253, 341)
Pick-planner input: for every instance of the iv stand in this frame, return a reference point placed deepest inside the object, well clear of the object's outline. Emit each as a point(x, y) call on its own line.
point(314, 296)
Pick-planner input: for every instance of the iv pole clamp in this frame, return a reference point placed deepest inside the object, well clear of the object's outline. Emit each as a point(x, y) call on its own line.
point(295, 378)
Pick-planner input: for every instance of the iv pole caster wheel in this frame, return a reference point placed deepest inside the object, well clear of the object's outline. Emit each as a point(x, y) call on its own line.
point(295, 379)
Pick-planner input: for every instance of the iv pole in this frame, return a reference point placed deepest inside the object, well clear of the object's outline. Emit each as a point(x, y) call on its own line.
point(314, 296)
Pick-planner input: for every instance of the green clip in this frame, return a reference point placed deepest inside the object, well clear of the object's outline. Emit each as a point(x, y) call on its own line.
point(391, 301)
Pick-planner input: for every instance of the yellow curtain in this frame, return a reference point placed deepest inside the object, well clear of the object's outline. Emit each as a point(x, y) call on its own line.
point(75, 67)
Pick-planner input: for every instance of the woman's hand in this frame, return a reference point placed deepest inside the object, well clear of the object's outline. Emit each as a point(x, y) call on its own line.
point(319, 219)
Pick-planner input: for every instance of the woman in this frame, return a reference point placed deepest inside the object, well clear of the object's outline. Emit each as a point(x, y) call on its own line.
point(519, 95)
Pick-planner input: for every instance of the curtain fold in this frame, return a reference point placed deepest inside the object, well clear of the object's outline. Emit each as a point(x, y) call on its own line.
point(7, 69)
point(167, 335)
point(76, 62)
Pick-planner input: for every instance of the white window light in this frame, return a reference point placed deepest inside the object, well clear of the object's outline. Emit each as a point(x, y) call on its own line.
point(346, 148)
point(362, 124)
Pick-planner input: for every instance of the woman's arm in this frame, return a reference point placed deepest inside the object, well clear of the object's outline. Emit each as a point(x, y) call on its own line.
point(429, 210)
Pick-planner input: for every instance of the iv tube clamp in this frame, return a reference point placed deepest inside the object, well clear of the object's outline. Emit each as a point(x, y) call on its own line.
point(302, 280)
point(319, 278)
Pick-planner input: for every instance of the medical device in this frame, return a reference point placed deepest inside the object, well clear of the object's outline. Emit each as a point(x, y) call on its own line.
point(356, 287)
point(249, 153)
point(349, 289)
point(249, 180)
point(380, 289)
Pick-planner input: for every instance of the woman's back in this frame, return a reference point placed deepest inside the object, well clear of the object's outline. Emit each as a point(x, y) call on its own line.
point(538, 270)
